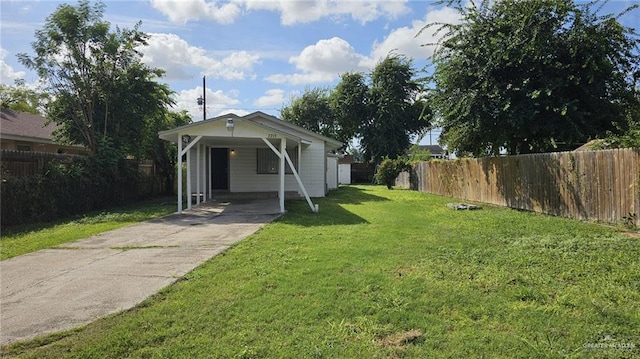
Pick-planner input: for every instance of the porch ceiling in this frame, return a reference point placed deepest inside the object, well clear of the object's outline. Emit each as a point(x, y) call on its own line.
point(230, 142)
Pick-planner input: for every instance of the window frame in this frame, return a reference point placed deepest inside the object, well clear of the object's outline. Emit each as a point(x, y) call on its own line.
point(268, 163)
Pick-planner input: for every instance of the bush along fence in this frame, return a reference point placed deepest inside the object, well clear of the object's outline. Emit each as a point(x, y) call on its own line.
point(601, 186)
point(54, 186)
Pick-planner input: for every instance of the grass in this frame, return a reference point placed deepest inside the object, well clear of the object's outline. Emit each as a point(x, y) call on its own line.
point(19, 240)
point(387, 274)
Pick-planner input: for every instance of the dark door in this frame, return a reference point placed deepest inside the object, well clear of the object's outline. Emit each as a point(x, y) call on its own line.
point(220, 169)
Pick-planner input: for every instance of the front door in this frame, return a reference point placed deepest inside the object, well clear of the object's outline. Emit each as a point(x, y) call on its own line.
point(220, 169)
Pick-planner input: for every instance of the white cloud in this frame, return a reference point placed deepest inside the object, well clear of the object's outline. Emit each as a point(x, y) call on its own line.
point(404, 40)
point(293, 12)
point(323, 62)
point(182, 11)
point(217, 102)
point(7, 73)
point(235, 111)
point(272, 97)
point(174, 55)
point(328, 58)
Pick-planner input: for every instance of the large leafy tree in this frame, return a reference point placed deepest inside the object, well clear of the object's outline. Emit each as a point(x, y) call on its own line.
point(103, 95)
point(161, 152)
point(349, 103)
point(313, 112)
point(396, 111)
point(383, 116)
point(532, 76)
point(22, 98)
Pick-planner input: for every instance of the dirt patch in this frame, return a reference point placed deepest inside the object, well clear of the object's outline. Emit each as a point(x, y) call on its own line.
point(401, 338)
point(631, 234)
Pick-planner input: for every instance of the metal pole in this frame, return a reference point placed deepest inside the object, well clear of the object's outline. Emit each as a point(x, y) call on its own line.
point(204, 98)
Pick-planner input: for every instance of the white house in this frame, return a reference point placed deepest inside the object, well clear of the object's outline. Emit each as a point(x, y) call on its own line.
point(253, 153)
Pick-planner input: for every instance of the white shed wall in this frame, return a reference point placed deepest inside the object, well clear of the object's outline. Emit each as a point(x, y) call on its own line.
point(344, 173)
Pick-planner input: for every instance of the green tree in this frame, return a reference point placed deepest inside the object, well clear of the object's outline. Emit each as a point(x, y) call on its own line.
point(349, 104)
point(312, 111)
point(20, 97)
point(103, 93)
point(164, 154)
point(396, 111)
point(532, 76)
point(383, 116)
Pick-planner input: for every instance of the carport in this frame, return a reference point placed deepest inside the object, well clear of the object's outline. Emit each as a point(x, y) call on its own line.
point(252, 154)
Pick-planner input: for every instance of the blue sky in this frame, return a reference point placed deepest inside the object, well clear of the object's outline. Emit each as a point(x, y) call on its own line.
point(255, 54)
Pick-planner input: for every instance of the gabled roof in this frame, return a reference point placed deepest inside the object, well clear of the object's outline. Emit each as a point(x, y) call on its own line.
point(258, 119)
point(434, 149)
point(25, 126)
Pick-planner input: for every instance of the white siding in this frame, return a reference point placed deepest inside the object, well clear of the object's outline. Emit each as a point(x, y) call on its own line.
point(243, 168)
point(243, 176)
point(332, 173)
point(312, 169)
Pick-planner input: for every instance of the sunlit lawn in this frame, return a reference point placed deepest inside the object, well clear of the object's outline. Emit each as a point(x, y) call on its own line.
point(19, 240)
point(386, 274)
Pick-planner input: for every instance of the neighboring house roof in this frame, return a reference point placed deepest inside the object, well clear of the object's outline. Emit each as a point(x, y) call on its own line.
point(259, 119)
point(594, 145)
point(347, 160)
point(25, 126)
point(434, 149)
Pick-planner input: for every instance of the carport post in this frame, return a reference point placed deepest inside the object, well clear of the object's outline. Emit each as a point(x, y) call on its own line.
point(283, 150)
point(198, 160)
point(188, 150)
point(180, 173)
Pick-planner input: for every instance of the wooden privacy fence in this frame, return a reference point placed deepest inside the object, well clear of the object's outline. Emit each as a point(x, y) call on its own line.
point(21, 163)
point(590, 185)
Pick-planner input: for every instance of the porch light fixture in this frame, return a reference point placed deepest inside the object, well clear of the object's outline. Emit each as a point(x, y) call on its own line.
point(186, 139)
point(230, 124)
point(233, 152)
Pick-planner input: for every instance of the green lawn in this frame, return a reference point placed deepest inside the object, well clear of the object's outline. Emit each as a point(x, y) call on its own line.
point(30, 238)
point(388, 274)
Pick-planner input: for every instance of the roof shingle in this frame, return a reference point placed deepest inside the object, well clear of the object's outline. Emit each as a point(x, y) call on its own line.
point(25, 124)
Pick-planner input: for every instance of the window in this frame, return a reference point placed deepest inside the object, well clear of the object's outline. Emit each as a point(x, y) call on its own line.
point(269, 163)
point(23, 147)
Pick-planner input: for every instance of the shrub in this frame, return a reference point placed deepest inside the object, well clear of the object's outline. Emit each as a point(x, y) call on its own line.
point(388, 170)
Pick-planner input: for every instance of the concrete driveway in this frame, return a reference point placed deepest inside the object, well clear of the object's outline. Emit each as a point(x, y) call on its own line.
point(59, 289)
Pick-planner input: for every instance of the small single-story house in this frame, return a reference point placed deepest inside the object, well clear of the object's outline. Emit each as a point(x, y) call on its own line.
point(436, 151)
point(22, 131)
point(252, 154)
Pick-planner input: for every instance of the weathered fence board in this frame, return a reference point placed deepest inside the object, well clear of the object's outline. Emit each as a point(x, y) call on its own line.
point(591, 185)
point(21, 163)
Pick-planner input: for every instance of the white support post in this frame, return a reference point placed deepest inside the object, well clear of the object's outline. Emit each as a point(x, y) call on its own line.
point(179, 173)
point(209, 174)
point(299, 160)
point(181, 152)
point(189, 205)
point(283, 151)
point(198, 164)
